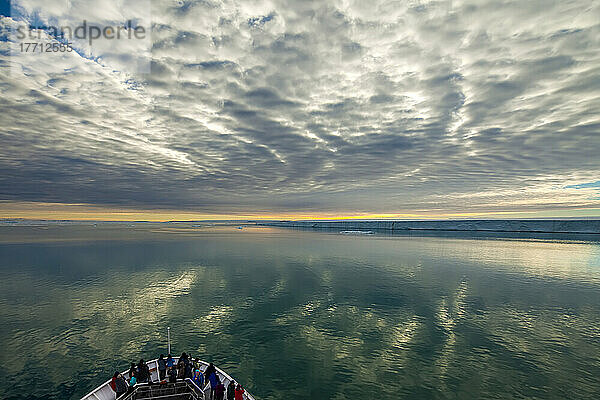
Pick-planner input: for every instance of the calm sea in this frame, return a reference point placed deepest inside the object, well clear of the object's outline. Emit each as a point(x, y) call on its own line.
point(302, 314)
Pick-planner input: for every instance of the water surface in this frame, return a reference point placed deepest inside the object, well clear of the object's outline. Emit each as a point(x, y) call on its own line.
point(301, 314)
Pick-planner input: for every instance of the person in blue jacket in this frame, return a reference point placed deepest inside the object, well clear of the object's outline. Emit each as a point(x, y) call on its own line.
point(198, 379)
point(214, 381)
point(170, 361)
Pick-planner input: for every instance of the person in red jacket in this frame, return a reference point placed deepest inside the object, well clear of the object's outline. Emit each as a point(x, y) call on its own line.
point(239, 392)
point(113, 384)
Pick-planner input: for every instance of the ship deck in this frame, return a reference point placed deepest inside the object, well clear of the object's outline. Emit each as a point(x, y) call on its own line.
point(181, 390)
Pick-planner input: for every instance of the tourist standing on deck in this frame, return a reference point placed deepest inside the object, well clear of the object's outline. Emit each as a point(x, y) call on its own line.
point(162, 367)
point(183, 357)
point(199, 379)
point(132, 370)
point(172, 375)
point(219, 390)
point(214, 380)
point(209, 370)
point(188, 370)
point(170, 361)
point(113, 385)
point(143, 372)
point(121, 386)
point(181, 369)
point(239, 392)
point(132, 382)
point(231, 391)
point(139, 371)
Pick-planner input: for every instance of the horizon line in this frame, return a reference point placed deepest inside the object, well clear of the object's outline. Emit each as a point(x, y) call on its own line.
point(90, 212)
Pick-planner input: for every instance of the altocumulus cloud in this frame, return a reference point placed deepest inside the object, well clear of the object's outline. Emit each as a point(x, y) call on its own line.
point(378, 106)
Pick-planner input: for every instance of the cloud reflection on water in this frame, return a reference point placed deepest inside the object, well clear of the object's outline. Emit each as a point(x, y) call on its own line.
point(309, 314)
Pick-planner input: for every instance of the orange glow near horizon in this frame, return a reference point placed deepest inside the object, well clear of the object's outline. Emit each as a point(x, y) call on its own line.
point(86, 212)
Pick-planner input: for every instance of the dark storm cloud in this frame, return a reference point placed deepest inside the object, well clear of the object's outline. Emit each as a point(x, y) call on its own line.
point(307, 106)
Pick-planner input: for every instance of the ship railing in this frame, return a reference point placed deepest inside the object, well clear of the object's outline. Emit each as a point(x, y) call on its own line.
point(182, 389)
point(197, 390)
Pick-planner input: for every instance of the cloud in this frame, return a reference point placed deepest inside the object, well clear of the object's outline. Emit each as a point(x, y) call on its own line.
point(307, 106)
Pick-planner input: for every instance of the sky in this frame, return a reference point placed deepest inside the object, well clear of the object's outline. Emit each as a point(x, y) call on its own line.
point(304, 109)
